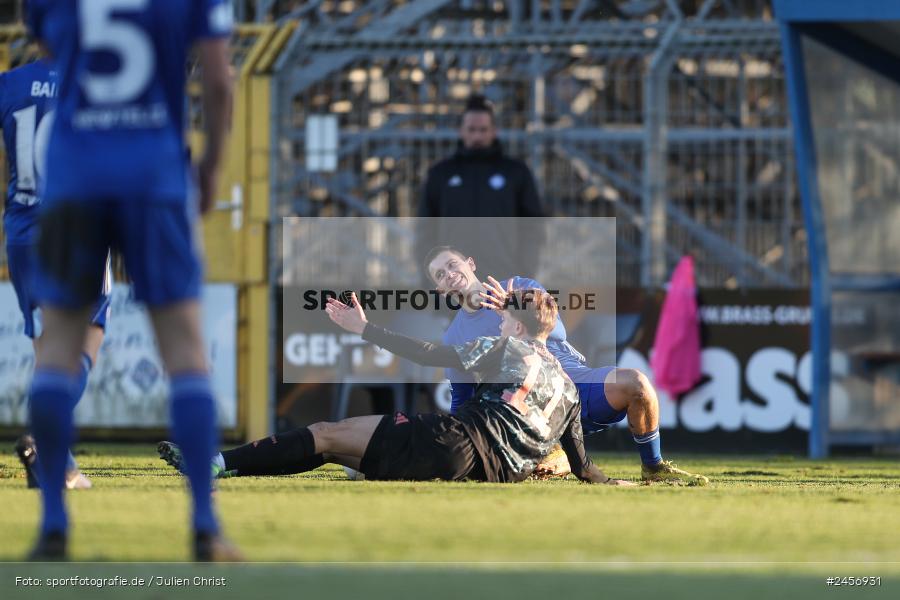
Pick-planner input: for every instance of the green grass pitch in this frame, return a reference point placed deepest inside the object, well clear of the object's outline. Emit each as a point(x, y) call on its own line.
point(773, 526)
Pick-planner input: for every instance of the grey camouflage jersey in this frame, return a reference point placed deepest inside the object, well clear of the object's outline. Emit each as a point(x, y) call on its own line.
point(522, 419)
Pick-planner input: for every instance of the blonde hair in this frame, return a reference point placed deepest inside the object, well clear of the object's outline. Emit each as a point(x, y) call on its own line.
point(535, 309)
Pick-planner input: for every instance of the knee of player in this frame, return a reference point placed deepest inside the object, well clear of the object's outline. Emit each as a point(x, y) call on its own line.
point(636, 383)
point(321, 432)
point(329, 430)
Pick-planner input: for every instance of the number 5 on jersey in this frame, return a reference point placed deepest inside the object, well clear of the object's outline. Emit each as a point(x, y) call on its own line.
point(101, 31)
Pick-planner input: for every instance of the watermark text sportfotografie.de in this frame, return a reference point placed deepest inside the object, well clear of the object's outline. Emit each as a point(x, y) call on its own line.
point(401, 299)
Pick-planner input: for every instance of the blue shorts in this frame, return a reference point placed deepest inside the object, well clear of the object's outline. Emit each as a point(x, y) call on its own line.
point(156, 240)
point(22, 267)
point(596, 413)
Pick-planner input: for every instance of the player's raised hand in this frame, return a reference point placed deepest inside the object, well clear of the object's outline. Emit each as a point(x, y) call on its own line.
point(494, 296)
point(352, 318)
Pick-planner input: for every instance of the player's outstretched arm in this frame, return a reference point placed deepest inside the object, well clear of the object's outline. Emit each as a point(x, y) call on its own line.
point(572, 442)
point(353, 319)
point(216, 78)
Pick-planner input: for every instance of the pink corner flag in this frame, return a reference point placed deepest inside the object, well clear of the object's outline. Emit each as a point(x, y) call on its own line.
point(676, 356)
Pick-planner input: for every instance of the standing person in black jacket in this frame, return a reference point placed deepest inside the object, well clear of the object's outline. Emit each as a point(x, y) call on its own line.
point(479, 180)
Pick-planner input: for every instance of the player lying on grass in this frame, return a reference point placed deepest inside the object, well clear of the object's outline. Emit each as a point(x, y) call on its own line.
point(607, 394)
point(499, 435)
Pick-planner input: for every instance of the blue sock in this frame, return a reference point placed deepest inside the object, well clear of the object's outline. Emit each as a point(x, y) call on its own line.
point(195, 432)
point(84, 371)
point(52, 400)
point(648, 446)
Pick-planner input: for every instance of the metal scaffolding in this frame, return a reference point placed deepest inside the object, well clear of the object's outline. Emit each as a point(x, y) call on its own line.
point(668, 115)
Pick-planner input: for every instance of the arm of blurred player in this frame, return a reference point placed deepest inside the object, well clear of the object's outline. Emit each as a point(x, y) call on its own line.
point(216, 79)
point(572, 442)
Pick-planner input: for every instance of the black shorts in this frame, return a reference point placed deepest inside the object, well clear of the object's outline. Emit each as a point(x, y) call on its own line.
point(420, 448)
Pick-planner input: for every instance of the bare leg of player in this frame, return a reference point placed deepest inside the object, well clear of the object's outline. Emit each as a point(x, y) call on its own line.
point(177, 329)
point(92, 342)
point(629, 389)
point(75, 479)
point(193, 412)
point(295, 451)
point(25, 446)
point(64, 334)
point(349, 437)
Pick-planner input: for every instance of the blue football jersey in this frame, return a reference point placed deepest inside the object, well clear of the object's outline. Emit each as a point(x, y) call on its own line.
point(119, 127)
point(27, 96)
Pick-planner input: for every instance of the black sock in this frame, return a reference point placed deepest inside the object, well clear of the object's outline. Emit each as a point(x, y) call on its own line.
point(282, 454)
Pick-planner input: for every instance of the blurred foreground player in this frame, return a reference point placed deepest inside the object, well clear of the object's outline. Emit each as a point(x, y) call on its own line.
point(500, 435)
point(117, 176)
point(27, 94)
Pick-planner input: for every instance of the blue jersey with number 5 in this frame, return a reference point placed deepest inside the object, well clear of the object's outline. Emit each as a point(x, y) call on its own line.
point(26, 112)
point(119, 127)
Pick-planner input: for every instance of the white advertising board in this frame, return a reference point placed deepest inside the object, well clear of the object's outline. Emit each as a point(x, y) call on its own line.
point(127, 387)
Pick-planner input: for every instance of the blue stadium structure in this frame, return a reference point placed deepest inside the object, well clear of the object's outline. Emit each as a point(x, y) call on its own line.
point(842, 61)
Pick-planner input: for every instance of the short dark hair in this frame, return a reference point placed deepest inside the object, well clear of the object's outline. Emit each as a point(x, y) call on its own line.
point(535, 309)
point(437, 250)
point(479, 103)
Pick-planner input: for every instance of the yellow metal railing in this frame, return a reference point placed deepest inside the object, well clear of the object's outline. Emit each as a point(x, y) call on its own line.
point(237, 237)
